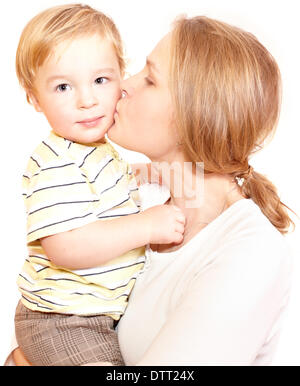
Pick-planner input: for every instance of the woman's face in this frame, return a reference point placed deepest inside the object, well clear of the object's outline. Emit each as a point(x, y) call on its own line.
point(143, 121)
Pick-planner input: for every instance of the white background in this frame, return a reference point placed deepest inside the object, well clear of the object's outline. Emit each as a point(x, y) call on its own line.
point(142, 23)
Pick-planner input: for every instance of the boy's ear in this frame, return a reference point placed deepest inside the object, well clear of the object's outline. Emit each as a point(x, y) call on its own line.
point(34, 101)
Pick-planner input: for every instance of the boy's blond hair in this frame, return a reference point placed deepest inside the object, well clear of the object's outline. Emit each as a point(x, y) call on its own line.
point(57, 24)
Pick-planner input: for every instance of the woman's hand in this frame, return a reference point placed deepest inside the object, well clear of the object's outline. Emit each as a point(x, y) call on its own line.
point(19, 358)
point(98, 364)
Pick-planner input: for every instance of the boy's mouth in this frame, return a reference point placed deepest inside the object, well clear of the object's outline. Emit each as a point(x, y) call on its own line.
point(91, 122)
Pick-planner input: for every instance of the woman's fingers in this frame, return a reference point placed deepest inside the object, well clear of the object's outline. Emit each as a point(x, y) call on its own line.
point(19, 358)
point(98, 364)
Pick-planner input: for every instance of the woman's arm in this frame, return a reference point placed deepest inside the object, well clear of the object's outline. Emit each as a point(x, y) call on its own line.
point(227, 312)
point(20, 360)
point(96, 243)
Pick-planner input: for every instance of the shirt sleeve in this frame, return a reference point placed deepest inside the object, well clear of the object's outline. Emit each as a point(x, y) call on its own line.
point(227, 312)
point(57, 198)
point(132, 185)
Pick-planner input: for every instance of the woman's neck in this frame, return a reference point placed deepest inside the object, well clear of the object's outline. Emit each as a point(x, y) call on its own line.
point(201, 197)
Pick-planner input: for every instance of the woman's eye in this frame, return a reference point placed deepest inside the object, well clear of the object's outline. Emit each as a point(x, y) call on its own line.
point(148, 81)
point(63, 87)
point(101, 80)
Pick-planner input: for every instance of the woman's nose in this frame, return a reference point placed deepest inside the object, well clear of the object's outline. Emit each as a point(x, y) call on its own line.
point(86, 99)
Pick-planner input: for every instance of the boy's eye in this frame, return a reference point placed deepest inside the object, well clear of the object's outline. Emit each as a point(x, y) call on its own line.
point(63, 87)
point(101, 80)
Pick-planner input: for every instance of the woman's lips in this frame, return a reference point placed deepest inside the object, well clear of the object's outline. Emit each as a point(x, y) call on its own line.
point(92, 122)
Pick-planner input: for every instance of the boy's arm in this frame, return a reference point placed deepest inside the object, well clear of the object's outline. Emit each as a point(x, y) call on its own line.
point(96, 243)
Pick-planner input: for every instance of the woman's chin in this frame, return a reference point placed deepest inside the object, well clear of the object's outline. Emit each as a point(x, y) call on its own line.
point(112, 135)
point(109, 133)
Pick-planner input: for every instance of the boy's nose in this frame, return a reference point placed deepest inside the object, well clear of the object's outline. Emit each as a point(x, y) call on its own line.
point(86, 99)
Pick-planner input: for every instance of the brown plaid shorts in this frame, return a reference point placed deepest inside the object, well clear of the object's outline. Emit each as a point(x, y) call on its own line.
point(50, 339)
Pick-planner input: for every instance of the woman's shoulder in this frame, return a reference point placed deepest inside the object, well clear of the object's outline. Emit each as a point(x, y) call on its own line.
point(244, 249)
point(241, 237)
point(248, 235)
point(245, 220)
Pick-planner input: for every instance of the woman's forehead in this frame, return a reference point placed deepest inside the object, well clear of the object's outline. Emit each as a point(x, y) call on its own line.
point(159, 58)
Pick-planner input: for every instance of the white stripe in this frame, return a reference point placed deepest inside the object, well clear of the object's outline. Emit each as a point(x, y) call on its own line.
point(102, 269)
point(110, 309)
point(38, 267)
point(27, 174)
point(99, 165)
point(27, 277)
point(85, 151)
point(119, 211)
point(46, 298)
point(37, 158)
point(51, 203)
point(63, 180)
point(111, 202)
point(54, 145)
point(33, 255)
point(54, 299)
point(79, 292)
point(132, 185)
point(35, 301)
point(59, 221)
point(123, 282)
point(108, 183)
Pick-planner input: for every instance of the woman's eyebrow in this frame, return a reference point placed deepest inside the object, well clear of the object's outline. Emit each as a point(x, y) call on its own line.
point(152, 65)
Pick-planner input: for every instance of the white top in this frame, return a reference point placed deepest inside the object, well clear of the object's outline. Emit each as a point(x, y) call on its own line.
point(218, 300)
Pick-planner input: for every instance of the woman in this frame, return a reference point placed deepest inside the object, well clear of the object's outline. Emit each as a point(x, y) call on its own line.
point(209, 93)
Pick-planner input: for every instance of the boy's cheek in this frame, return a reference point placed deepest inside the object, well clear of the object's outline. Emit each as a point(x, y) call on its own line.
point(35, 102)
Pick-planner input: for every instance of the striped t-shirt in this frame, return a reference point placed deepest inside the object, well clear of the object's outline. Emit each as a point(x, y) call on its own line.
point(68, 185)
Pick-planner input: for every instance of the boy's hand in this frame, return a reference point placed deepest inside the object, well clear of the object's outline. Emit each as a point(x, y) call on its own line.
point(165, 224)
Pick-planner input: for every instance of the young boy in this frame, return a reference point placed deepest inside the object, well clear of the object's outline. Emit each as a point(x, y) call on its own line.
point(86, 234)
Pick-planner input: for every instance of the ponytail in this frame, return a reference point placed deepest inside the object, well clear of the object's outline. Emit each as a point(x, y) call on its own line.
point(257, 187)
point(226, 91)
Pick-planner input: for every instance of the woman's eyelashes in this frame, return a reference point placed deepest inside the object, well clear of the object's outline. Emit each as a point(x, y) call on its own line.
point(148, 81)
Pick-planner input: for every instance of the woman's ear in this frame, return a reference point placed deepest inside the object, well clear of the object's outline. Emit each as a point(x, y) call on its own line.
point(34, 101)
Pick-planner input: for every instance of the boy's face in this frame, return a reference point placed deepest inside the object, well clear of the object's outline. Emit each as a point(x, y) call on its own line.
point(77, 88)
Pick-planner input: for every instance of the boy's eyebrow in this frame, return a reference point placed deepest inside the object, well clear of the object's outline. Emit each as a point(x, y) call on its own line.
point(54, 77)
point(107, 69)
point(100, 70)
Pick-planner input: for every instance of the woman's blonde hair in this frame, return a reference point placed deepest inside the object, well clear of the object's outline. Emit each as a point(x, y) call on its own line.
point(226, 88)
point(57, 24)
